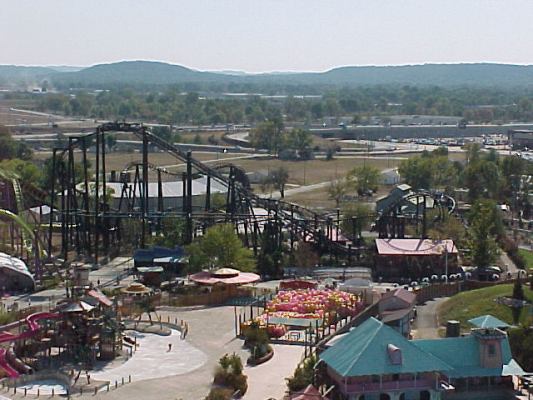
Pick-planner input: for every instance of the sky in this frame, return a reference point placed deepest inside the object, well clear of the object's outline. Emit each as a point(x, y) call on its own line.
point(265, 35)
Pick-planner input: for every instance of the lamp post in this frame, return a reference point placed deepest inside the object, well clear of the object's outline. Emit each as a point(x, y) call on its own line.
point(446, 261)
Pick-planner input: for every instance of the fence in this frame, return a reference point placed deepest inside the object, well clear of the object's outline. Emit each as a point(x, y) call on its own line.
point(213, 298)
point(430, 292)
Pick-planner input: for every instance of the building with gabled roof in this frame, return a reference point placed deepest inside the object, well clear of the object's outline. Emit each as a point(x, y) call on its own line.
point(415, 258)
point(374, 361)
point(397, 309)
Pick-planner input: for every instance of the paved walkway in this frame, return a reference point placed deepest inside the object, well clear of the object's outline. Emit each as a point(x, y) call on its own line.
point(426, 325)
point(211, 330)
point(153, 360)
point(267, 380)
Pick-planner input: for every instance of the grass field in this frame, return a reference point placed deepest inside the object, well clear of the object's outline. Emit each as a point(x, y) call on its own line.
point(315, 171)
point(528, 256)
point(474, 303)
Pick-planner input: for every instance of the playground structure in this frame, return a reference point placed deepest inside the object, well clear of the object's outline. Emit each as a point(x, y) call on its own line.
point(8, 361)
point(75, 332)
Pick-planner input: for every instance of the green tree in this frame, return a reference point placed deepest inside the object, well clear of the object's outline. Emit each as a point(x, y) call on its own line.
point(268, 135)
point(521, 341)
point(518, 290)
point(271, 260)
point(305, 257)
point(10, 148)
point(417, 172)
point(473, 152)
point(364, 179)
point(220, 247)
point(482, 231)
point(482, 178)
point(299, 140)
point(110, 141)
point(448, 228)
point(279, 178)
point(25, 171)
point(337, 189)
point(356, 217)
point(172, 233)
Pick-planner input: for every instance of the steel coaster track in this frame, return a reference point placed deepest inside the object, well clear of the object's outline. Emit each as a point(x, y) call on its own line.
point(308, 222)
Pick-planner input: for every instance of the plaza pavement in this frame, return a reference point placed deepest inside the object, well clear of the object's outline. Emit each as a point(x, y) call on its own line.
point(267, 380)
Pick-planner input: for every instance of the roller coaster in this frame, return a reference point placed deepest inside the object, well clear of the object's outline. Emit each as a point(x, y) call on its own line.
point(91, 226)
point(412, 209)
point(89, 223)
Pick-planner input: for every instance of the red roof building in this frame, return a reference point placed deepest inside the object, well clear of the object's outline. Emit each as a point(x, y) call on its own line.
point(414, 247)
point(414, 259)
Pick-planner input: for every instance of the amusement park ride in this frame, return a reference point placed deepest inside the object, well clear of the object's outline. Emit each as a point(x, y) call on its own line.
point(91, 227)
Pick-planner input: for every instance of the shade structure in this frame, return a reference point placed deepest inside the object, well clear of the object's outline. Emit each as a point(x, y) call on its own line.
point(137, 289)
point(75, 307)
point(488, 321)
point(228, 276)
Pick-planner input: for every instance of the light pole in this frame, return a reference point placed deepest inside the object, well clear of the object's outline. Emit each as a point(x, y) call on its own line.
point(446, 261)
point(305, 164)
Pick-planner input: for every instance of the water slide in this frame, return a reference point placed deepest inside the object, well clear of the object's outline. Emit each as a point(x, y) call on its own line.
point(33, 325)
point(11, 372)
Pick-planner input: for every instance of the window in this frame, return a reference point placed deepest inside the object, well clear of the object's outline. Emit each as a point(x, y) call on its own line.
point(492, 350)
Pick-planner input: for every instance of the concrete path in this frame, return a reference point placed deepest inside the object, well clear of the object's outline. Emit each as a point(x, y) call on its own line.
point(267, 380)
point(510, 266)
point(153, 360)
point(426, 323)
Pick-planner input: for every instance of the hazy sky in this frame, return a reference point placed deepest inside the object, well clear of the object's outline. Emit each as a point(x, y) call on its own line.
point(265, 35)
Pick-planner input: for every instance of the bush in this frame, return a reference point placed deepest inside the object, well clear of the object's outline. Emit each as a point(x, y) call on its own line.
point(254, 335)
point(220, 394)
point(303, 375)
point(521, 341)
point(518, 290)
point(229, 375)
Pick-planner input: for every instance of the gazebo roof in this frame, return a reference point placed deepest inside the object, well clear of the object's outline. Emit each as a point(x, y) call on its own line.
point(488, 321)
point(228, 276)
point(136, 288)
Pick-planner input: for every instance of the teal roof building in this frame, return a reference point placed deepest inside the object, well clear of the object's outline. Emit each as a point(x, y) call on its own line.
point(374, 361)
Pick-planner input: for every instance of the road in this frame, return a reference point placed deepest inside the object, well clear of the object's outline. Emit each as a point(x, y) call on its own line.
point(300, 189)
point(426, 323)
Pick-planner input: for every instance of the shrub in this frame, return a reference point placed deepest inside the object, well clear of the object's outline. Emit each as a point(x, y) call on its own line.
point(303, 375)
point(239, 383)
point(220, 394)
point(518, 290)
point(521, 341)
point(229, 375)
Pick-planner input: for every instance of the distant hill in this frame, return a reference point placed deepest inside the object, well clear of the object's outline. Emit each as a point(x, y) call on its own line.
point(137, 72)
point(158, 73)
point(22, 74)
point(428, 74)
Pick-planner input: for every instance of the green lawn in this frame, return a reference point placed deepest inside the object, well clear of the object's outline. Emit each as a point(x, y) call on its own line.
point(474, 303)
point(528, 256)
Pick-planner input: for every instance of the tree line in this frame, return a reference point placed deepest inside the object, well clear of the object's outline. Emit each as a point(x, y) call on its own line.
point(171, 105)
